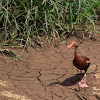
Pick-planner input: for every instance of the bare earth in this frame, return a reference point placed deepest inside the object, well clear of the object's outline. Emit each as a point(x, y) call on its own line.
point(50, 75)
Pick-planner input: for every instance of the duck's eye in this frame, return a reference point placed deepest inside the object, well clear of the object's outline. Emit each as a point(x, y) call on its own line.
point(75, 43)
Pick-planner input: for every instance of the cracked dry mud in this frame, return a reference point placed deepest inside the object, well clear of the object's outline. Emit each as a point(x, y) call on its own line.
point(50, 75)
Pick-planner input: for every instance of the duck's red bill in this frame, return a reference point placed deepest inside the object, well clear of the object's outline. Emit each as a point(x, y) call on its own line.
point(70, 46)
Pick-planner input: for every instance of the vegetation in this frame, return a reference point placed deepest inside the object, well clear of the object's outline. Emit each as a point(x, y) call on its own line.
point(10, 53)
point(25, 22)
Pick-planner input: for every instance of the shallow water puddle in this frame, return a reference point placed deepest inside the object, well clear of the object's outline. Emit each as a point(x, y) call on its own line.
point(14, 96)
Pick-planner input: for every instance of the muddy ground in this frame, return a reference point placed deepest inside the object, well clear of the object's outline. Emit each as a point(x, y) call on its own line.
point(49, 74)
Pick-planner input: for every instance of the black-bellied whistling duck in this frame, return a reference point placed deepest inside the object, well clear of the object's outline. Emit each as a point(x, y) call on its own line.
point(80, 62)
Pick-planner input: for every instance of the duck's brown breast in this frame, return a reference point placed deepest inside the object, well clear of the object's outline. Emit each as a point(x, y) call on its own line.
point(81, 62)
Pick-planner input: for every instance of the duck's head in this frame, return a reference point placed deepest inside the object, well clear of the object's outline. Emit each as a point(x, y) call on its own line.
point(74, 43)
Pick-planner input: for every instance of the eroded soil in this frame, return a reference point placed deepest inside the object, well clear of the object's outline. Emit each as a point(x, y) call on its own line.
point(50, 75)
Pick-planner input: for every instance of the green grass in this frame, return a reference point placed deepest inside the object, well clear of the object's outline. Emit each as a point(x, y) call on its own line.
point(28, 21)
point(10, 53)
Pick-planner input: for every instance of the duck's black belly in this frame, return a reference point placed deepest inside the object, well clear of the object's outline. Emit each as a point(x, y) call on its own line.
point(86, 67)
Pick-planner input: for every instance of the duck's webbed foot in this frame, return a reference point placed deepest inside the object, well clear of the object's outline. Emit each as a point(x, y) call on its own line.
point(80, 82)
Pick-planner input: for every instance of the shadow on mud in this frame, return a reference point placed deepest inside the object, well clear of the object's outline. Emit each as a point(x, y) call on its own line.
point(71, 80)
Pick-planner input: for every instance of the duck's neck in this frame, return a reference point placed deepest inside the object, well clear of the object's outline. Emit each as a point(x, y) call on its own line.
point(75, 52)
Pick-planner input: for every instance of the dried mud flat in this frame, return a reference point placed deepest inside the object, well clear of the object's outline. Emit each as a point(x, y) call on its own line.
point(50, 75)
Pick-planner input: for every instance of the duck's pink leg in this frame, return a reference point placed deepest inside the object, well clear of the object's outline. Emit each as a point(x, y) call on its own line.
point(84, 84)
point(81, 81)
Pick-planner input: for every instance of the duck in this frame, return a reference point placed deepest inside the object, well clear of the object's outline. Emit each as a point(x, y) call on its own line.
point(81, 63)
